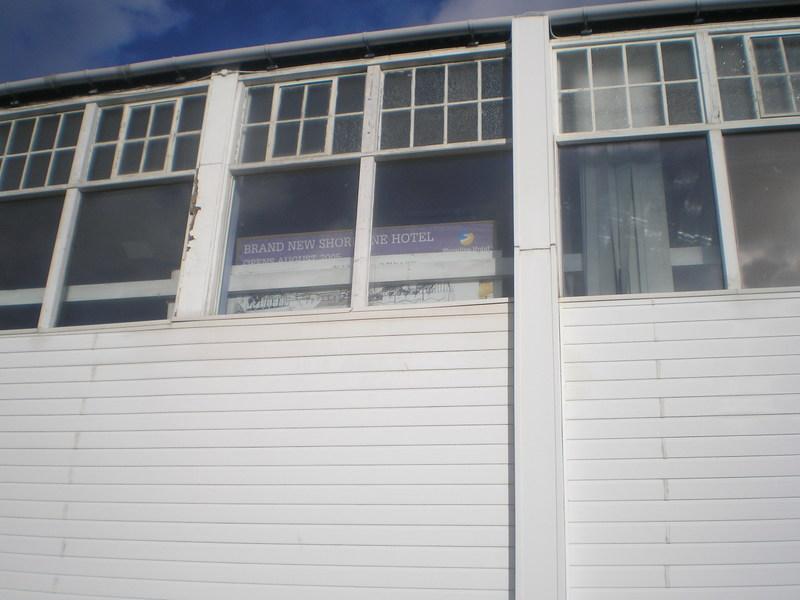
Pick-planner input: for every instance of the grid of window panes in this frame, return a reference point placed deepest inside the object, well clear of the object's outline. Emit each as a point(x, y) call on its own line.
point(446, 104)
point(626, 86)
point(38, 151)
point(319, 117)
point(769, 64)
point(147, 138)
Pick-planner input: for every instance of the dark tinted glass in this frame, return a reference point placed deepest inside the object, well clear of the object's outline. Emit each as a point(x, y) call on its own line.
point(350, 97)
point(92, 312)
point(260, 105)
point(192, 109)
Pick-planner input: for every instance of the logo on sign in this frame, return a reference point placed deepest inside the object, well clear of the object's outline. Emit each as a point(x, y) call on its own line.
point(467, 238)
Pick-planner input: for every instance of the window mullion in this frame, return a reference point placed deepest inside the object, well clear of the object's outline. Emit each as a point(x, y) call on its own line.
point(707, 76)
point(727, 229)
point(119, 146)
point(273, 122)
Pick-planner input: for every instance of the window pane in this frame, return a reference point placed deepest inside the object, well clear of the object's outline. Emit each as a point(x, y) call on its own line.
point(350, 95)
point(683, 103)
point(260, 105)
point(576, 112)
point(291, 103)
point(21, 136)
point(776, 95)
point(495, 78)
point(192, 109)
point(62, 165)
point(162, 119)
point(293, 240)
point(737, 98)
point(5, 130)
point(46, 133)
point(347, 134)
point(70, 128)
point(11, 173)
point(611, 108)
point(286, 139)
point(769, 56)
point(678, 60)
point(25, 316)
point(102, 161)
point(462, 82)
point(36, 173)
point(318, 99)
point(254, 148)
point(428, 126)
point(462, 123)
point(573, 70)
point(137, 123)
point(730, 56)
point(186, 147)
point(496, 120)
point(92, 312)
point(442, 229)
point(643, 63)
point(638, 217)
point(108, 128)
point(791, 45)
point(607, 66)
point(397, 89)
point(764, 178)
point(314, 136)
point(395, 129)
point(646, 107)
point(131, 158)
point(429, 87)
point(155, 155)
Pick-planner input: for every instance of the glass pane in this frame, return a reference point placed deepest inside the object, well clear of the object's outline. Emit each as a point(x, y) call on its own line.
point(397, 89)
point(46, 133)
point(428, 126)
point(291, 102)
point(314, 136)
point(730, 56)
point(155, 155)
point(576, 112)
point(776, 95)
point(102, 161)
point(395, 129)
point(93, 312)
point(573, 70)
point(791, 45)
point(62, 165)
point(607, 66)
point(646, 106)
point(21, 136)
point(429, 87)
point(162, 119)
point(192, 109)
point(5, 129)
point(27, 234)
point(462, 123)
point(678, 58)
point(638, 217)
point(442, 229)
point(186, 147)
point(347, 134)
point(683, 103)
point(131, 158)
point(496, 120)
point(495, 78)
point(769, 56)
point(70, 128)
point(462, 82)
point(764, 179)
point(137, 123)
point(254, 148)
point(796, 90)
point(643, 63)
point(108, 128)
point(18, 316)
point(350, 95)
point(611, 109)
point(318, 98)
point(737, 98)
point(293, 240)
point(260, 106)
point(286, 139)
point(36, 173)
point(11, 173)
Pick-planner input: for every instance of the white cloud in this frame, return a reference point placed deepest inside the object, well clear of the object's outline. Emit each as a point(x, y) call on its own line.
point(458, 10)
point(39, 37)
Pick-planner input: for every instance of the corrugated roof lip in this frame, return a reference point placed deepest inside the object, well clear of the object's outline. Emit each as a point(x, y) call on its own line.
point(372, 40)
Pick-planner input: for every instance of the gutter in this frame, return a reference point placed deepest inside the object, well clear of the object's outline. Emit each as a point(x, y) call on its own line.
point(371, 41)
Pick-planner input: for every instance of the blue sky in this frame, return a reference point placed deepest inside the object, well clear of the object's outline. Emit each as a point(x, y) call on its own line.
point(42, 37)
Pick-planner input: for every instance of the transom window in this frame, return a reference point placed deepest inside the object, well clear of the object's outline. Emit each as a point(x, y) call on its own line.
point(147, 138)
point(299, 119)
point(446, 104)
point(768, 64)
point(629, 85)
point(38, 151)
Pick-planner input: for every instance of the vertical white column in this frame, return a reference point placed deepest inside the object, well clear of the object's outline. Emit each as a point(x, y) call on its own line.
point(538, 458)
point(362, 243)
point(54, 290)
point(206, 236)
point(727, 226)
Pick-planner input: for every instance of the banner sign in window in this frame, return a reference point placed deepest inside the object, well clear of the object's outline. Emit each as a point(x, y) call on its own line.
point(474, 236)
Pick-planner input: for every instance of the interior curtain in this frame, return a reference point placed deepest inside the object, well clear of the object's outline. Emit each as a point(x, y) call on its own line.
point(625, 228)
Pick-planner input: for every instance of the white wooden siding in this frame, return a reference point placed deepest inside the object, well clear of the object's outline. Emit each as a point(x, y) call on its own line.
point(682, 447)
point(340, 456)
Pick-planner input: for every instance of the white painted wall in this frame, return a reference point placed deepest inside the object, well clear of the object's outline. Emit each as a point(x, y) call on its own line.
point(682, 444)
point(339, 456)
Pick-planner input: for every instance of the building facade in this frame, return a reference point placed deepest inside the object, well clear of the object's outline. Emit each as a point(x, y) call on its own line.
point(488, 310)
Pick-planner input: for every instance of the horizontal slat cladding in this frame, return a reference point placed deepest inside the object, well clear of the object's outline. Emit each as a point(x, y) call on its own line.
point(344, 456)
point(682, 447)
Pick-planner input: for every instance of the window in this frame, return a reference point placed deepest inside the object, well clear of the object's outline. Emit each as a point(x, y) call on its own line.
point(769, 64)
point(638, 216)
point(446, 104)
point(147, 138)
point(38, 151)
point(628, 86)
point(320, 117)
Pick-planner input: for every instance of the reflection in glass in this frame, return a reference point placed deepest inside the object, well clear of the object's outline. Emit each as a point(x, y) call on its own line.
point(638, 217)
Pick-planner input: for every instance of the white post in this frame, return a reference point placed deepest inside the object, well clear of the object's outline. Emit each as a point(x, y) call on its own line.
point(538, 460)
point(206, 237)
